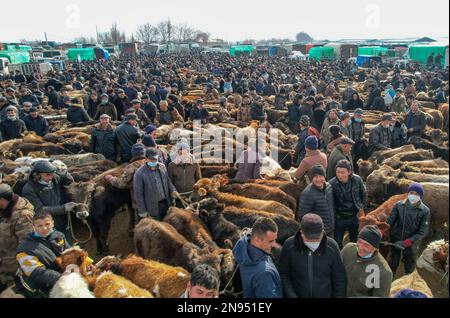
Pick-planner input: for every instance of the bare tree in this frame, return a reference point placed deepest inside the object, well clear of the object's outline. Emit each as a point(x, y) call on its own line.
point(202, 37)
point(183, 33)
point(162, 32)
point(147, 33)
point(116, 36)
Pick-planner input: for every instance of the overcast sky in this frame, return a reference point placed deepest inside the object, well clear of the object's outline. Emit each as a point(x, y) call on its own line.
point(231, 20)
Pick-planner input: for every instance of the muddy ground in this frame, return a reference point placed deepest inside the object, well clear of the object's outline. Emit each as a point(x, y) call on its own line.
point(121, 244)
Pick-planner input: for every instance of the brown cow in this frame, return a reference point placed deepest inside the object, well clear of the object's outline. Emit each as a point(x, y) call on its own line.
point(160, 279)
point(397, 161)
point(261, 192)
point(191, 227)
point(161, 242)
point(206, 187)
point(380, 215)
point(382, 155)
point(423, 177)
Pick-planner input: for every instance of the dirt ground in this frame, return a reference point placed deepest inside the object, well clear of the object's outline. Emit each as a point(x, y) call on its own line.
point(121, 244)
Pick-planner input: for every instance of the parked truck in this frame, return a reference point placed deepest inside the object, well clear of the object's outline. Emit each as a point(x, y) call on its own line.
point(6, 68)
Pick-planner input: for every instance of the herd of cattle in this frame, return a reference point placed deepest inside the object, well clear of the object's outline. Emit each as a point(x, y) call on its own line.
point(222, 208)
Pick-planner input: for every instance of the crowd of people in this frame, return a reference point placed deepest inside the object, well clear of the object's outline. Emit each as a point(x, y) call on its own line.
point(129, 98)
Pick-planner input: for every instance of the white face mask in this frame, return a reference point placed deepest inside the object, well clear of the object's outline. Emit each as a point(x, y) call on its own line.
point(313, 246)
point(413, 199)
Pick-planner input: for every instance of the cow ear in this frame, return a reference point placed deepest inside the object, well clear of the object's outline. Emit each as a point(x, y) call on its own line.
point(383, 226)
point(202, 192)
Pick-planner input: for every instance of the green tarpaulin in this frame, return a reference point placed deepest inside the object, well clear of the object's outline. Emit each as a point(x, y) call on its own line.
point(87, 54)
point(322, 53)
point(372, 50)
point(420, 53)
point(242, 49)
point(16, 57)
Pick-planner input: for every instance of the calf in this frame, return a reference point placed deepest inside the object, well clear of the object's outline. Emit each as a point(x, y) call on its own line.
point(438, 151)
point(261, 192)
point(382, 155)
point(380, 215)
point(206, 187)
point(191, 227)
point(397, 161)
point(161, 242)
point(162, 280)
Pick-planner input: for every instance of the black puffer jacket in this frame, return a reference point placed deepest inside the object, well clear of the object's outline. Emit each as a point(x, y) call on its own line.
point(359, 195)
point(307, 274)
point(320, 202)
point(409, 222)
point(102, 142)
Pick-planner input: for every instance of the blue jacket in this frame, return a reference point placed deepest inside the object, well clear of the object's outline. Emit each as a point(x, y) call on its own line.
point(260, 278)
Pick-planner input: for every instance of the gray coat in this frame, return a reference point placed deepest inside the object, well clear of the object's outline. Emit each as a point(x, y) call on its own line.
point(320, 202)
point(144, 189)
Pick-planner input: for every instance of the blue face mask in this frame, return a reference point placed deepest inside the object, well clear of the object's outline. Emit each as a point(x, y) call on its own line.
point(358, 120)
point(36, 234)
point(46, 184)
point(152, 164)
point(368, 256)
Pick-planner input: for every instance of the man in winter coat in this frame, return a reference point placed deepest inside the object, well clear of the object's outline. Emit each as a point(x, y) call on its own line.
point(16, 216)
point(183, 171)
point(415, 121)
point(310, 263)
point(399, 103)
point(399, 132)
point(199, 112)
point(76, 112)
point(357, 126)
point(313, 156)
point(37, 123)
point(153, 189)
point(127, 134)
point(318, 198)
point(332, 119)
point(306, 130)
point(45, 190)
point(257, 110)
point(343, 151)
point(12, 127)
point(380, 137)
point(350, 200)
point(102, 139)
point(106, 108)
point(410, 223)
point(362, 260)
point(260, 277)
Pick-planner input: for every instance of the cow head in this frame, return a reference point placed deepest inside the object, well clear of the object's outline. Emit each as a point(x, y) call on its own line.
point(366, 167)
point(202, 189)
point(222, 179)
point(378, 182)
point(435, 257)
point(222, 260)
point(81, 192)
point(74, 256)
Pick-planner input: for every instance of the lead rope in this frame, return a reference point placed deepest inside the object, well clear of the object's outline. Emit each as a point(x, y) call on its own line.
point(70, 227)
point(230, 280)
